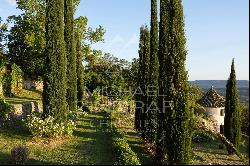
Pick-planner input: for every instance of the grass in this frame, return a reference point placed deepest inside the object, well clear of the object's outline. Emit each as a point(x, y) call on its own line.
point(137, 145)
point(88, 146)
point(24, 96)
point(209, 153)
point(125, 122)
point(91, 145)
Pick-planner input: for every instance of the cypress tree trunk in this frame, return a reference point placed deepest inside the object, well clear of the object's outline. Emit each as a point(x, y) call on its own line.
point(55, 84)
point(232, 112)
point(71, 57)
point(154, 67)
point(143, 80)
point(174, 116)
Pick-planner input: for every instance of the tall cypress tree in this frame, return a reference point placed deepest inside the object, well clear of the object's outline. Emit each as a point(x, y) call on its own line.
point(174, 115)
point(232, 125)
point(80, 25)
point(143, 79)
point(55, 84)
point(154, 67)
point(70, 53)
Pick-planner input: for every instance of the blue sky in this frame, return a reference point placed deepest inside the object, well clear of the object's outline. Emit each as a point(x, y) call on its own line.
point(216, 31)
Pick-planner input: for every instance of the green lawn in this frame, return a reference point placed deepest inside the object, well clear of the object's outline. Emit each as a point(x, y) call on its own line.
point(91, 145)
point(209, 152)
point(88, 146)
point(137, 145)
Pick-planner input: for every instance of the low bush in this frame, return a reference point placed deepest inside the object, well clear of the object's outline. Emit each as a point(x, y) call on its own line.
point(202, 137)
point(5, 110)
point(48, 127)
point(20, 154)
point(123, 152)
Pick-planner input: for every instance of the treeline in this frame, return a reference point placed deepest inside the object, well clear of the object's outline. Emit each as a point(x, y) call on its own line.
point(49, 44)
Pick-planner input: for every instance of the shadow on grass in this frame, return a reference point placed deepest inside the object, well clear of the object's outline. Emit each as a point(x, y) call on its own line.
point(15, 132)
point(213, 152)
point(24, 98)
point(227, 159)
point(5, 159)
point(95, 145)
point(38, 162)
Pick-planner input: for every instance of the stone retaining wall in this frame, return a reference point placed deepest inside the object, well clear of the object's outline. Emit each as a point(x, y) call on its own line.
point(24, 109)
point(32, 85)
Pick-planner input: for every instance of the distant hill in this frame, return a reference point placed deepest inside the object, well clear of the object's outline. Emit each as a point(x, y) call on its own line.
point(218, 83)
point(220, 86)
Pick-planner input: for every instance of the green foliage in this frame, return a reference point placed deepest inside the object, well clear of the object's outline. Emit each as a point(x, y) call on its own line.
point(143, 79)
point(20, 154)
point(3, 37)
point(55, 84)
point(7, 81)
point(11, 81)
point(123, 152)
point(70, 54)
point(232, 124)
point(153, 74)
point(200, 136)
point(27, 36)
point(106, 72)
point(48, 127)
point(5, 110)
point(244, 118)
point(84, 37)
point(27, 41)
point(175, 116)
point(17, 76)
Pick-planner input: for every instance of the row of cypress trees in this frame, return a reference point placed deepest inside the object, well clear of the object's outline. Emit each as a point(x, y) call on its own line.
point(163, 79)
point(60, 80)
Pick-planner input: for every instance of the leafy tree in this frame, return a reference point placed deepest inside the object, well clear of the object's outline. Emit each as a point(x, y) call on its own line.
point(232, 124)
point(106, 72)
point(244, 118)
point(27, 37)
point(131, 74)
point(80, 27)
point(55, 84)
point(70, 54)
point(84, 37)
point(174, 116)
point(3, 33)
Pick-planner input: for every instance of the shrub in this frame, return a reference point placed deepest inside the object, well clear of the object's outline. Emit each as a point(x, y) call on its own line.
point(123, 152)
point(202, 137)
point(20, 154)
point(5, 109)
point(48, 127)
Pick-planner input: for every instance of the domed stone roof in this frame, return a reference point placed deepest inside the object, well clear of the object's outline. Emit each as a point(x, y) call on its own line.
point(212, 99)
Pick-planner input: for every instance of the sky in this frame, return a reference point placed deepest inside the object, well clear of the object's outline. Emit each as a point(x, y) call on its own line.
point(216, 30)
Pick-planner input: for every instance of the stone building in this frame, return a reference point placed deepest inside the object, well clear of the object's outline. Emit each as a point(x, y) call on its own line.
point(214, 105)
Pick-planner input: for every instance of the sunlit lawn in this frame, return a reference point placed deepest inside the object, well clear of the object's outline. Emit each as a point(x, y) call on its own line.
point(88, 146)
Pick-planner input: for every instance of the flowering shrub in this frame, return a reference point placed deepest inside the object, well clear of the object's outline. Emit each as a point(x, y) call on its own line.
point(84, 114)
point(48, 127)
